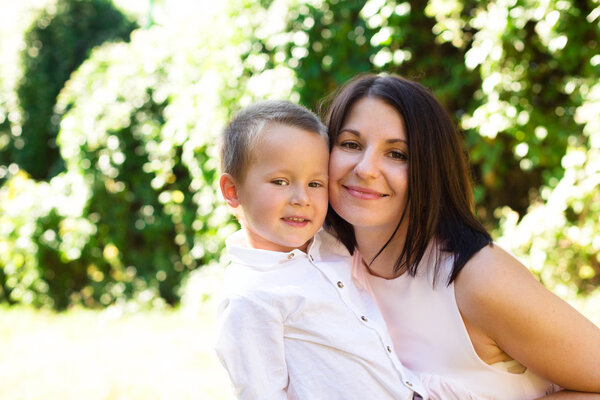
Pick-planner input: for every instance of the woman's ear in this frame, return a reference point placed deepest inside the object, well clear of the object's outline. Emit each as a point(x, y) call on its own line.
point(229, 190)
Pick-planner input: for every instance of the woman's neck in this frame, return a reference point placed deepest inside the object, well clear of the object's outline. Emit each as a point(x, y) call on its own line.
point(370, 241)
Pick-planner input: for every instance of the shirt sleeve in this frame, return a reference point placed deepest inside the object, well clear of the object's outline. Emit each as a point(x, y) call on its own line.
point(250, 346)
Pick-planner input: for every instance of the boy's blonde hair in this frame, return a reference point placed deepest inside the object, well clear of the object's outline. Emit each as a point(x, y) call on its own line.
point(242, 133)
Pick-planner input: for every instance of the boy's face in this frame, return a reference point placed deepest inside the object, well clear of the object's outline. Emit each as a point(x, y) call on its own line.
point(284, 194)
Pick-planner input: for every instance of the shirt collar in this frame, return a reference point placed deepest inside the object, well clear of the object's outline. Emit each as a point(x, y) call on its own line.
point(239, 251)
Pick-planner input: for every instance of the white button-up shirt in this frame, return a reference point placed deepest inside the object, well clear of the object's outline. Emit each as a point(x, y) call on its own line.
point(294, 326)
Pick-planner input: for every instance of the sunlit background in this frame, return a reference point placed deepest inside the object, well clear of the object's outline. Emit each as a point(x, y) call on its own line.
point(111, 229)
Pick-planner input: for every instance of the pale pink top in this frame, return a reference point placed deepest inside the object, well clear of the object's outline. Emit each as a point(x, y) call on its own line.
point(430, 337)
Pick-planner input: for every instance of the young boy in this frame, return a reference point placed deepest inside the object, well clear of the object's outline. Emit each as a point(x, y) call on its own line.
point(293, 325)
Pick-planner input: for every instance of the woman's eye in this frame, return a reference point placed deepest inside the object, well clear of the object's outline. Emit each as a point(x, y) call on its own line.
point(279, 182)
point(398, 155)
point(350, 145)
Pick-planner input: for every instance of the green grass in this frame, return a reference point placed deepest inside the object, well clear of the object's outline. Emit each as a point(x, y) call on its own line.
point(107, 355)
point(103, 355)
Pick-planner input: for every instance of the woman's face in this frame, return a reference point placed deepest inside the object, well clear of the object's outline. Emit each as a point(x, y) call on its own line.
point(368, 167)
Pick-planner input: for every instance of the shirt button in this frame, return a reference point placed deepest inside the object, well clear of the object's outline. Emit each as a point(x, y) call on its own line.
point(290, 256)
point(364, 318)
point(340, 284)
point(389, 349)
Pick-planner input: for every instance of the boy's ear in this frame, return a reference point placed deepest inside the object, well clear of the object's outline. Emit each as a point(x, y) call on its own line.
point(229, 190)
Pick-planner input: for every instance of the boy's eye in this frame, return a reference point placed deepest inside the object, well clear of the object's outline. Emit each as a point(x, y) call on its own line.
point(349, 144)
point(315, 184)
point(279, 182)
point(398, 155)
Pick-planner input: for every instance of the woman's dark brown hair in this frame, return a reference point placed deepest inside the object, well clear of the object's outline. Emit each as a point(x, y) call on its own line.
point(440, 199)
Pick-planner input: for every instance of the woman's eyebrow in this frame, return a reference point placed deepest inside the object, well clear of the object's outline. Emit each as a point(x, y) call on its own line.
point(352, 131)
point(357, 134)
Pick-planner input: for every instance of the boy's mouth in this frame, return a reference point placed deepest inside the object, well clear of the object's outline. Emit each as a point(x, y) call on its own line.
point(295, 220)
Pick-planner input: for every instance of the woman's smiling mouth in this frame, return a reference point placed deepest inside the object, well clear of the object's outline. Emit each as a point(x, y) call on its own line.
point(363, 193)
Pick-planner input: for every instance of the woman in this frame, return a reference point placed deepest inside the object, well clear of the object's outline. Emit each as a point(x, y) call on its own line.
point(461, 311)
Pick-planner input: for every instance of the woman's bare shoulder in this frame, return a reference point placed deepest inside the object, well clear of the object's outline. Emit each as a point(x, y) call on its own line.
point(498, 296)
point(491, 272)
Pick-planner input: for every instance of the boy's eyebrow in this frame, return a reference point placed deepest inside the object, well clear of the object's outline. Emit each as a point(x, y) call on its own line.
point(291, 172)
point(357, 134)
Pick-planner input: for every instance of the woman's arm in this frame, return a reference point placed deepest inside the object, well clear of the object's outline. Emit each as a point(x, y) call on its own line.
point(566, 394)
point(507, 310)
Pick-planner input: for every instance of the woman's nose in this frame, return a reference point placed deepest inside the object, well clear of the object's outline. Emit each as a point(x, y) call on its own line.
point(367, 166)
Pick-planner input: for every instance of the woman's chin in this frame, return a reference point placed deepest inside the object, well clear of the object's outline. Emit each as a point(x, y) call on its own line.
point(371, 217)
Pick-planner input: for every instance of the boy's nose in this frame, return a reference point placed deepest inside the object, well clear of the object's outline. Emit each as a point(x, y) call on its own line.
point(300, 196)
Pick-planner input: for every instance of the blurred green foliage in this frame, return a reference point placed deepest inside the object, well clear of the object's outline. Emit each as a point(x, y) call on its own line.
point(41, 239)
point(558, 237)
point(137, 212)
point(329, 46)
point(57, 42)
